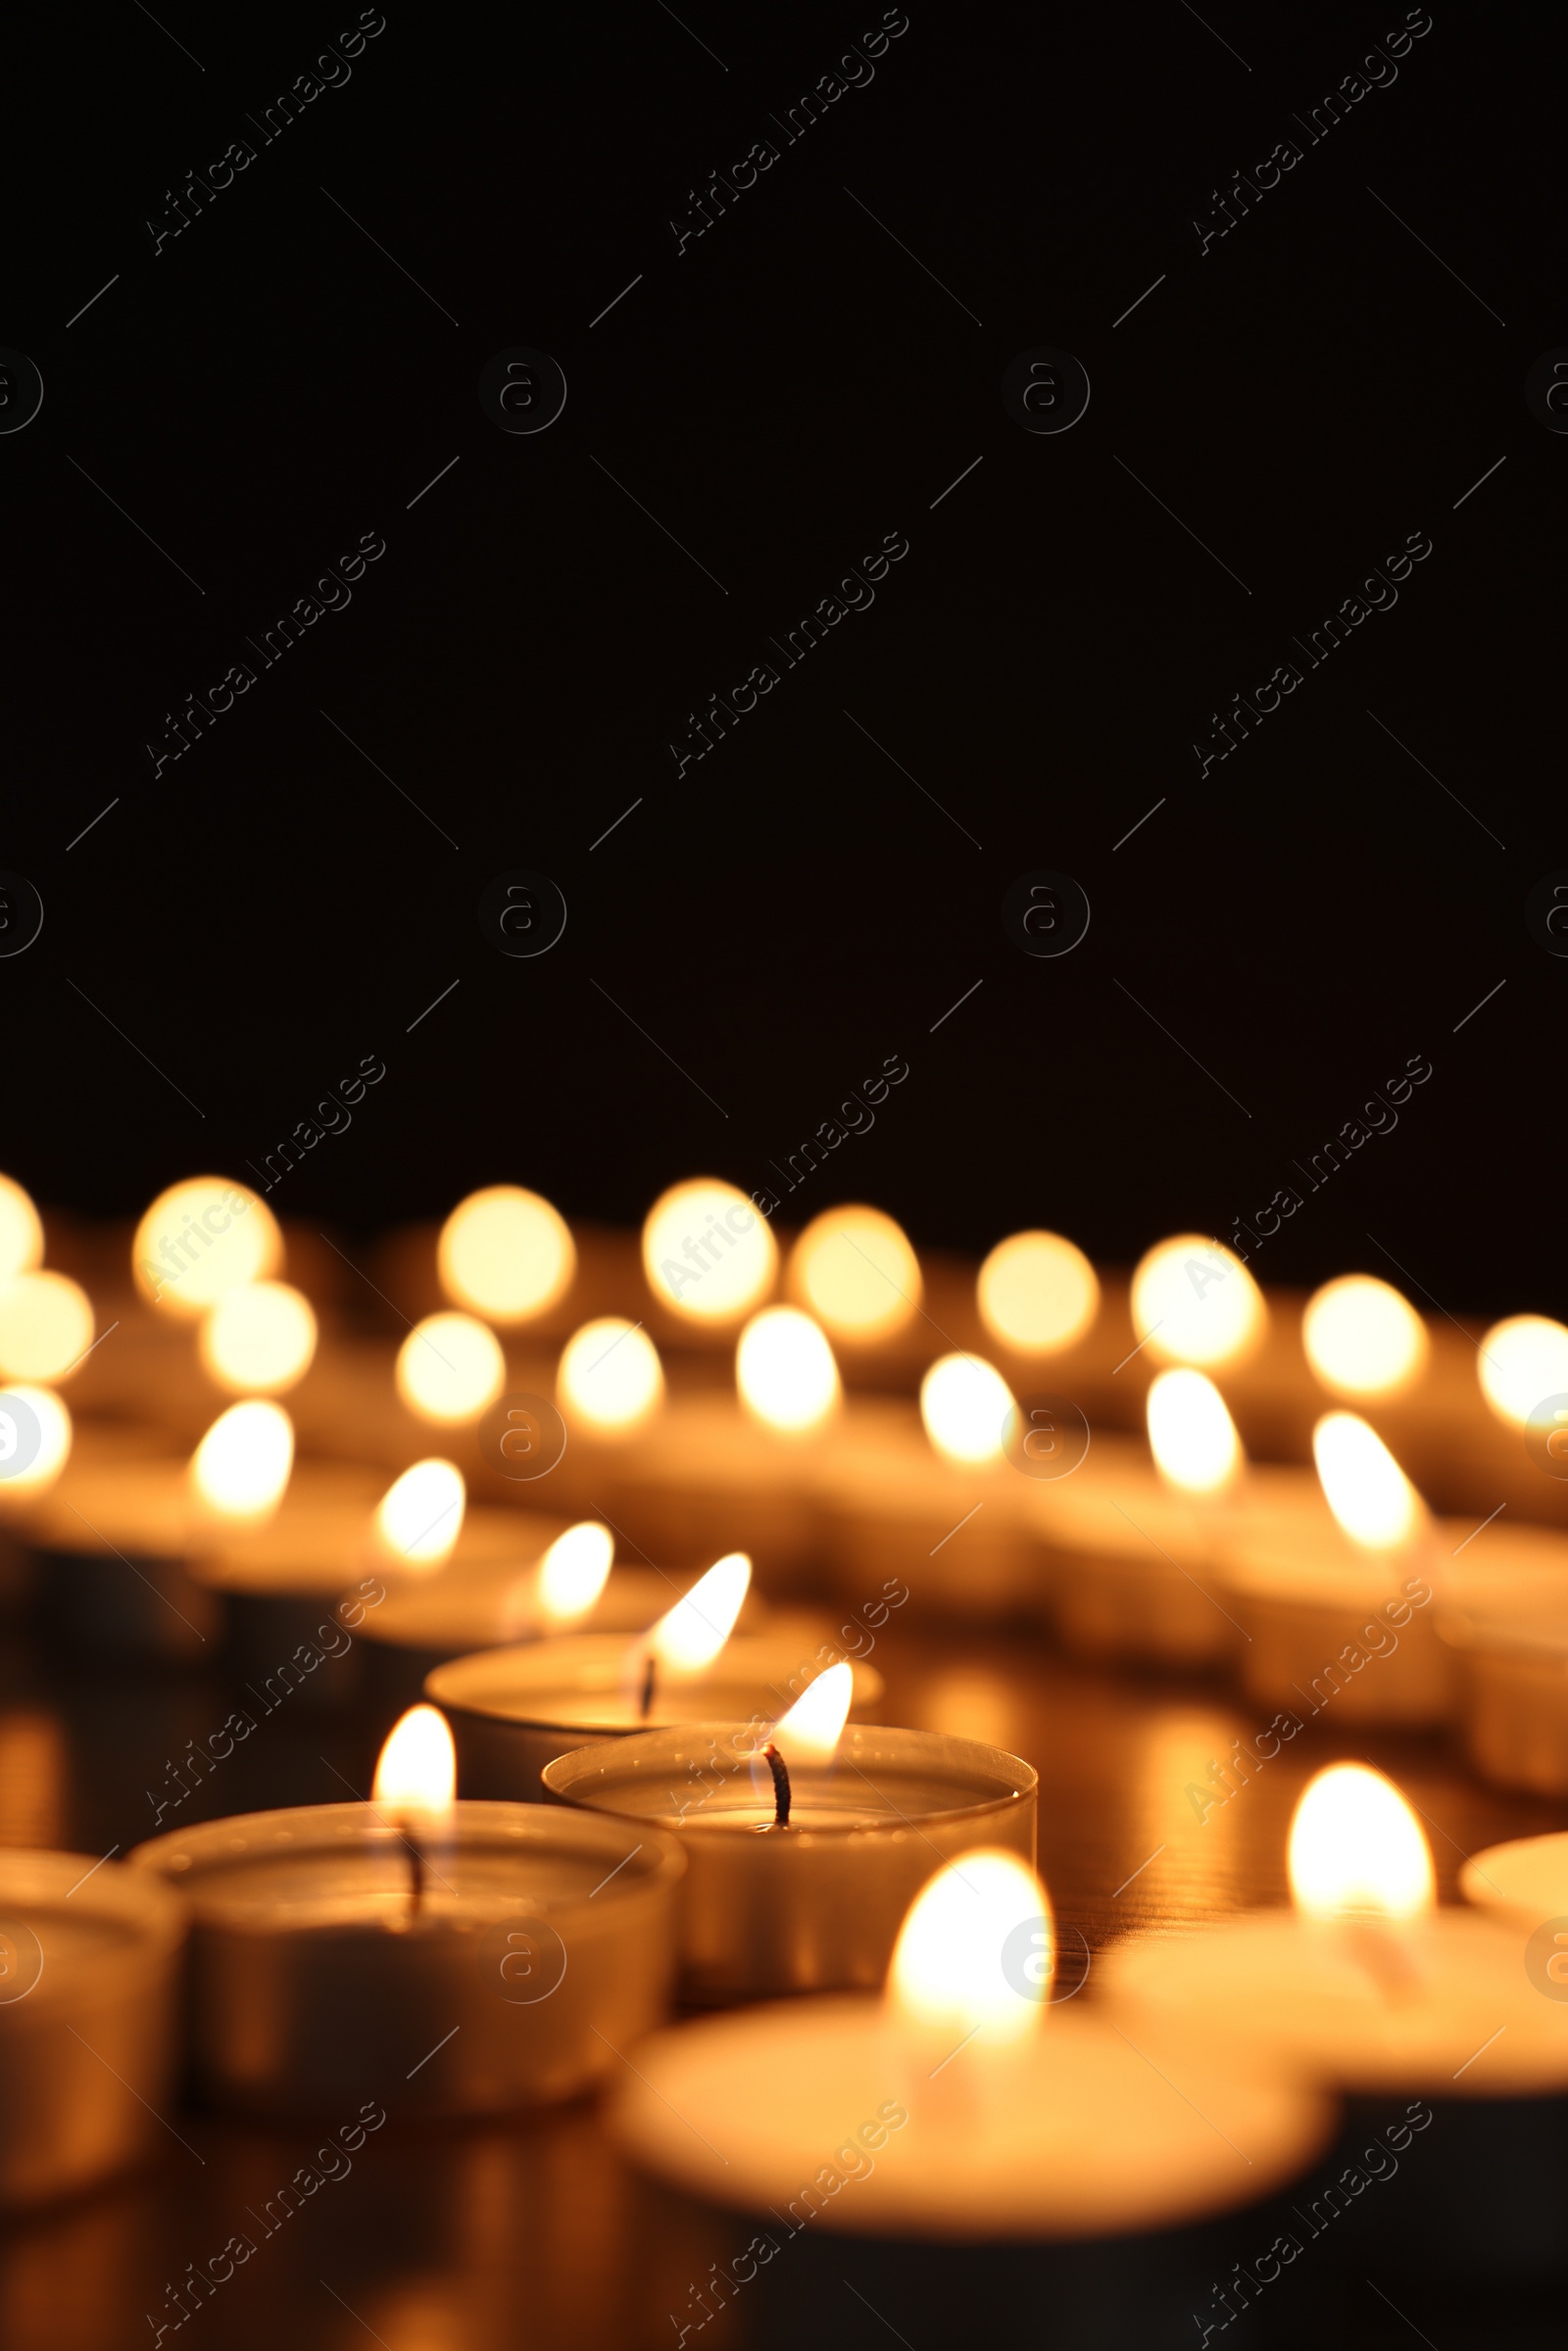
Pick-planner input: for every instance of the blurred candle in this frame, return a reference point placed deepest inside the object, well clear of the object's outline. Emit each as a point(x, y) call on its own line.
point(419, 1517)
point(259, 1338)
point(1521, 1363)
point(1193, 1302)
point(21, 1231)
point(609, 1380)
point(785, 1372)
point(201, 1238)
point(1363, 1338)
point(506, 1254)
point(46, 1326)
point(855, 1269)
point(450, 1370)
point(241, 1467)
point(706, 1252)
point(1036, 1294)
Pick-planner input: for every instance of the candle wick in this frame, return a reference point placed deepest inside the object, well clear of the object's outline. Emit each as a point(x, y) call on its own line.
point(781, 1785)
point(416, 1869)
point(1384, 1957)
point(645, 1700)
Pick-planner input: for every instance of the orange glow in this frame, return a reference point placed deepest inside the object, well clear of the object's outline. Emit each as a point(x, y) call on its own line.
point(45, 1326)
point(242, 1465)
point(1363, 1484)
point(1037, 1292)
point(20, 1232)
point(610, 1376)
point(950, 1974)
point(1520, 1363)
point(1193, 1302)
point(200, 1237)
point(1192, 1433)
point(1356, 1846)
point(419, 1517)
point(810, 1732)
point(573, 1572)
point(53, 1443)
point(689, 1637)
point(785, 1372)
point(707, 1251)
point(965, 1402)
point(450, 1370)
point(259, 1339)
point(506, 1254)
point(856, 1270)
point(1363, 1338)
point(418, 1769)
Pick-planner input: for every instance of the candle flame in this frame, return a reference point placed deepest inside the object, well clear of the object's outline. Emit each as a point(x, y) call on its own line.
point(1364, 1485)
point(259, 1338)
point(1363, 1338)
point(1193, 1302)
point(810, 1732)
point(964, 1404)
point(1356, 1846)
point(21, 1231)
point(45, 1326)
point(1192, 1433)
point(707, 1251)
point(785, 1372)
point(418, 1771)
point(574, 1571)
point(1038, 1292)
point(241, 1466)
point(53, 1443)
point(200, 1237)
point(506, 1254)
point(450, 1368)
point(975, 1952)
point(1521, 1362)
point(610, 1375)
point(691, 1634)
point(419, 1517)
point(854, 1268)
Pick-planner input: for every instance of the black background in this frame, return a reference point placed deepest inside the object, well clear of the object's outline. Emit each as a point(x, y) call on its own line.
point(792, 386)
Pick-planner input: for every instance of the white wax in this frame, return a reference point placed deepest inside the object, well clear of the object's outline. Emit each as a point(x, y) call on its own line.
point(797, 2108)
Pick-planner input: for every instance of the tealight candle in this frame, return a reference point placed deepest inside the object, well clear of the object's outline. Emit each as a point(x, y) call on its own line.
point(514, 1710)
point(707, 1254)
point(1509, 1634)
point(1365, 1986)
point(454, 1958)
point(506, 1254)
point(1525, 1884)
point(952, 2145)
point(804, 1847)
point(89, 1974)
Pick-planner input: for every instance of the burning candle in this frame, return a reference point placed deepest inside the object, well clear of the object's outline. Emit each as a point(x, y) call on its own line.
point(46, 1325)
point(1337, 1604)
point(1036, 1294)
point(854, 1268)
point(804, 1843)
point(707, 1254)
point(259, 1339)
point(514, 1710)
point(949, 2143)
point(1193, 1302)
point(1365, 1986)
point(450, 1370)
point(199, 1239)
point(89, 1981)
point(1364, 1340)
point(1522, 1363)
point(505, 1254)
point(460, 1958)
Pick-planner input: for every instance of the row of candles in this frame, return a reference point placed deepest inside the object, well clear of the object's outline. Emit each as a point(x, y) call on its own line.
point(704, 1838)
point(1335, 1584)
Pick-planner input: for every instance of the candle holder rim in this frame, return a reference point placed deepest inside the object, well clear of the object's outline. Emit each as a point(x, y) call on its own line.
point(155, 1908)
point(447, 1686)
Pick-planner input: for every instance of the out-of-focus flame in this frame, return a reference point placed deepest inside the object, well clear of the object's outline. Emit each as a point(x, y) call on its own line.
point(450, 1368)
point(200, 1237)
point(419, 1517)
point(1037, 1292)
point(975, 1952)
point(418, 1771)
point(855, 1269)
point(1363, 1338)
point(691, 1634)
point(1521, 1363)
point(241, 1466)
point(259, 1337)
point(610, 1376)
point(1193, 1302)
point(1192, 1433)
point(810, 1732)
point(964, 1404)
point(573, 1573)
point(1356, 1845)
point(707, 1251)
point(505, 1254)
point(21, 1484)
point(1364, 1485)
point(785, 1372)
point(21, 1231)
point(45, 1326)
